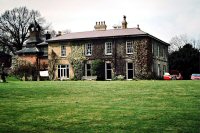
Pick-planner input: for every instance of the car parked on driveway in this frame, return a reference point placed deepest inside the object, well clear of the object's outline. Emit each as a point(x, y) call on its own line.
point(195, 77)
point(167, 76)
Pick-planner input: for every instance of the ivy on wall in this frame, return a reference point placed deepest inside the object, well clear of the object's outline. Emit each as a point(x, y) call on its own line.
point(142, 60)
point(77, 59)
point(53, 61)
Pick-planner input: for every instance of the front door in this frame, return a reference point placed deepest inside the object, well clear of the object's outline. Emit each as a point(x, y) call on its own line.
point(108, 71)
point(129, 71)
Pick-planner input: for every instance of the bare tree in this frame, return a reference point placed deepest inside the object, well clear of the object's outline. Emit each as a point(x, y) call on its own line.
point(14, 27)
point(179, 41)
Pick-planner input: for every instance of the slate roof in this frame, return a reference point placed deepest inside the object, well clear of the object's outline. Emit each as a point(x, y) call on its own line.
point(99, 34)
point(28, 50)
point(102, 34)
point(43, 43)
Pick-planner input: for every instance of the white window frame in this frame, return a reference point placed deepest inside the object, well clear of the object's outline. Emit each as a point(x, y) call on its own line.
point(86, 69)
point(107, 70)
point(63, 51)
point(158, 54)
point(164, 69)
point(128, 70)
point(63, 71)
point(159, 70)
point(129, 49)
point(88, 49)
point(108, 49)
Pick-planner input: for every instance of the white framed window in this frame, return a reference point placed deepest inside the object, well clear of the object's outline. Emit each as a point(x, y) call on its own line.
point(63, 71)
point(164, 69)
point(108, 71)
point(88, 69)
point(158, 54)
point(159, 70)
point(63, 50)
point(129, 71)
point(129, 47)
point(108, 48)
point(88, 49)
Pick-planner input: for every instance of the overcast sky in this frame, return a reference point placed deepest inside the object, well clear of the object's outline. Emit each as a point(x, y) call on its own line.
point(161, 18)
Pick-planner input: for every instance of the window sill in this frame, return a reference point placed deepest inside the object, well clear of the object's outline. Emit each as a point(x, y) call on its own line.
point(108, 54)
point(63, 56)
point(129, 53)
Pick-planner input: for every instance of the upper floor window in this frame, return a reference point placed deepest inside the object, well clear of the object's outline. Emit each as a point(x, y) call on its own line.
point(63, 50)
point(158, 54)
point(108, 48)
point(129, 47)
point(88, 49)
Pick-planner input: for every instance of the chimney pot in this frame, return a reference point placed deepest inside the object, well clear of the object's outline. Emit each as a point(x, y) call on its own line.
point(124, 23)
point(138, 27)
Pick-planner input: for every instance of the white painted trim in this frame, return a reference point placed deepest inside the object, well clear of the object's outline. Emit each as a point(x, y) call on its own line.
point(127, 47)
point(86, 49)
point(60, 69)
point(106, 48)
point(129, 69)
point(107, 69)
point(61, 51)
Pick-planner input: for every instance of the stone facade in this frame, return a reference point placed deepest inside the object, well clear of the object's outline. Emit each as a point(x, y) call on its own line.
point(142, 57)
point(126, 52)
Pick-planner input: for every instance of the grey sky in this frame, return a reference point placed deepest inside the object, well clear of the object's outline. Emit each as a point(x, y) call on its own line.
point(161, 18)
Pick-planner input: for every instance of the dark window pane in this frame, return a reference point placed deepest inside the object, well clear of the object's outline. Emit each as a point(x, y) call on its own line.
point(130, 74)
point(130, 65)
point(108, 65)
point(88, 66)
point(109, 74)
point(58, 73)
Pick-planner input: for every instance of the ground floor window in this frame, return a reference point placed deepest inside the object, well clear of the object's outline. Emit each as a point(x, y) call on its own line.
point(88, 70)
point(108, 71)
point(63, 71)
point(129, 70)
point(159, 70)
point(164, 69)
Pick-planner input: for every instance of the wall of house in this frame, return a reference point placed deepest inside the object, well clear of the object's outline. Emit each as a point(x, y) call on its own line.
point(160, 58)
point(56, 47)
point(32, 59)
point(144, 56)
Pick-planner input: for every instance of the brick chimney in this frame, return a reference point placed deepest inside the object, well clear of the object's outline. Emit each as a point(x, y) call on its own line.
point(124, 23)
point(100, 26)
point(48, 36)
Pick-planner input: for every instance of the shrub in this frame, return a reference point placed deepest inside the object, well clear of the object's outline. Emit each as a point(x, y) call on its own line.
point(98, 69)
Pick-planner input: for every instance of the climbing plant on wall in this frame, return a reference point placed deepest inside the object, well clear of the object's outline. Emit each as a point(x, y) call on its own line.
point(142, 59)
point(77, 58)
point(53, 60)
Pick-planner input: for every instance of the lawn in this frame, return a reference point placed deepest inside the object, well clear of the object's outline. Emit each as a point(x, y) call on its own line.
point(100, 106)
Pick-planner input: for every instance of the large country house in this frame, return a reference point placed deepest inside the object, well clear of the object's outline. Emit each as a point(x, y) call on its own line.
point(129, 52)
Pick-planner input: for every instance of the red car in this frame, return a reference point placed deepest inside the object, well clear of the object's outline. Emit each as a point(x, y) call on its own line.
point(195, 77)
point(167, 76)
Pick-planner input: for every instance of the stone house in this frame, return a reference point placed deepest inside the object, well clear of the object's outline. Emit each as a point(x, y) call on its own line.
point(130, 52)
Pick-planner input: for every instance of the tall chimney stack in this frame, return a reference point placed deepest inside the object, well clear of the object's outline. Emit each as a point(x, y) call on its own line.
point(124, 23)
point(100, 25)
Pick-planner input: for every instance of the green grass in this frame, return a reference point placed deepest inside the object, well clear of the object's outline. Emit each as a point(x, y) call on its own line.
point(97, 106)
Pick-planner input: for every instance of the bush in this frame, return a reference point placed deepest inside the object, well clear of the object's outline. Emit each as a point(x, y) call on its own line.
point(98, 69)
point(25, 71)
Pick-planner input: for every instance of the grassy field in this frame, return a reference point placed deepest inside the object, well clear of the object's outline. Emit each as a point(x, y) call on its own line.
point(100, 106)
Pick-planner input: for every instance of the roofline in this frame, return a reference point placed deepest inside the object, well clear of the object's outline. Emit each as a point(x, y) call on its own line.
point(140, 35)
point(158, 40)
point(102, 37)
